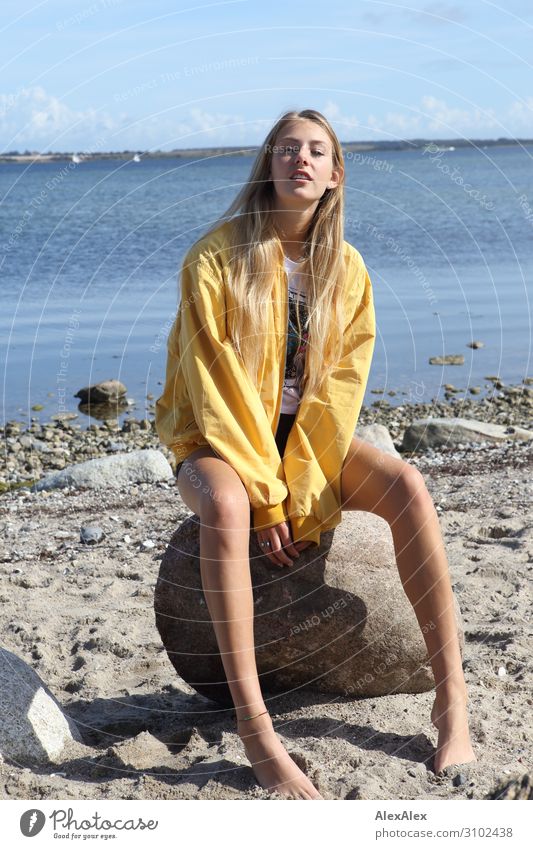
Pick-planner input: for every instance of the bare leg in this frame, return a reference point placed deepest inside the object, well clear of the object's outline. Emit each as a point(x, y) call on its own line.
point(379, 483)
point(222, 504)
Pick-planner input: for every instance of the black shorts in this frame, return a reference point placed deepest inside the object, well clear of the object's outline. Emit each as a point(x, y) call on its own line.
point(282, 434)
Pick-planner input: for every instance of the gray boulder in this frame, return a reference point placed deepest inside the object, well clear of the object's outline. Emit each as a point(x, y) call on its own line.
point(432, 433)
point(378, 436)
point(337, 621)
point(33, 728)
point(114, 471)
point(106, 392)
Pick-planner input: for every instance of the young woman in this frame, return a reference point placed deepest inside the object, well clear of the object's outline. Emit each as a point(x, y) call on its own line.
point(268, 361)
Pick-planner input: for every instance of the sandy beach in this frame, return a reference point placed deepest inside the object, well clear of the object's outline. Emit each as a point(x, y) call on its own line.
point(82, 617)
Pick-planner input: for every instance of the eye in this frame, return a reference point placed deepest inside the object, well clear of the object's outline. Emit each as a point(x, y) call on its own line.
point(320, 153)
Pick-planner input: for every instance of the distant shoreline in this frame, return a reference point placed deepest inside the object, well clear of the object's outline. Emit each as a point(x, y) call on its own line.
point(203, 152)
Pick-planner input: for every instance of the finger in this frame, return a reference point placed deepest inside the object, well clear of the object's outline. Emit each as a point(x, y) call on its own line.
point(273, 559)
point(286, 540)
point(277, 549)
point(273, 550)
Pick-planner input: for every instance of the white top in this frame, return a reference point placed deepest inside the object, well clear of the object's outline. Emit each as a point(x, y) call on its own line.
point(296, 343)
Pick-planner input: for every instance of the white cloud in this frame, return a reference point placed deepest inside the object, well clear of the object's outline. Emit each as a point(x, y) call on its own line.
point(459, 121)
point(30, 117)
point(334, 114)
point(34, 119)
point(435, 118)
point(521, 114)
point(402, 124)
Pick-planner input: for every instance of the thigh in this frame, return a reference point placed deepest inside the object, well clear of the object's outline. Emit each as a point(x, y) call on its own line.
point(375, 481)
point(206, 481)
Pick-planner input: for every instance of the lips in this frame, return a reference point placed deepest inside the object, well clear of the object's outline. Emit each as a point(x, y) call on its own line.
point(301, 175)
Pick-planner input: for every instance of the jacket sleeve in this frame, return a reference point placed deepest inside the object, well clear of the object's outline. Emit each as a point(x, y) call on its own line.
point(226, 404)
point(319, 442)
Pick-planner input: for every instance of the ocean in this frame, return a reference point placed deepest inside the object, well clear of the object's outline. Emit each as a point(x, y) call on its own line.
point(90, 254)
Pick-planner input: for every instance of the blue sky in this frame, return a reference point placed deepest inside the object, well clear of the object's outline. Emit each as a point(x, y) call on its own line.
point(92, 75)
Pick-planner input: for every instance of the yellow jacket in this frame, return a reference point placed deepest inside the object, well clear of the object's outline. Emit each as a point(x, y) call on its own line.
point(209, 398)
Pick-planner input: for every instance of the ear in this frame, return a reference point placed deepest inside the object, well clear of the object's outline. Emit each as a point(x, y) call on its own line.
point(336, 178)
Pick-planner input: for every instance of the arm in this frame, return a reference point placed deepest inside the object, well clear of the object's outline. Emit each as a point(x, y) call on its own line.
point(319, 442)
point(227, 406)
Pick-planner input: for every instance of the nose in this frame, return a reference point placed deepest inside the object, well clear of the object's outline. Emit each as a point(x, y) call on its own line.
point(301, 157)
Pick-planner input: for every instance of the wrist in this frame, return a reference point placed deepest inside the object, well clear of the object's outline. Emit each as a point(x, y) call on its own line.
point(269, 517)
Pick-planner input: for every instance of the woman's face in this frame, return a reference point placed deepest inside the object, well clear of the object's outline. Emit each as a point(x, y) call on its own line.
point(302, 146)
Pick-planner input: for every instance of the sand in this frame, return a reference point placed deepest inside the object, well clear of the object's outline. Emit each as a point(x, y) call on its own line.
point(82, 617)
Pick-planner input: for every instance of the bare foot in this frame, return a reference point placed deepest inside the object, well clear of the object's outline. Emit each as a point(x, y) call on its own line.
point(272, 765)
point(449, 715)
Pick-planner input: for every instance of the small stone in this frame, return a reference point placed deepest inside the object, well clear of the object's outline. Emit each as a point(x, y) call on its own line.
point(91, 534)
point(37, 407)
point(502, 672)
point(147, 545)
point(459, 779)
point(447, 359)
point(62, 535)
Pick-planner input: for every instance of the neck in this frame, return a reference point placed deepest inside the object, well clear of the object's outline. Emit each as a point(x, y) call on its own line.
point(292, 224)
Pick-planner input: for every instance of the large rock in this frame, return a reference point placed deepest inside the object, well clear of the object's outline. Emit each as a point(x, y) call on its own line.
point(143, 466)
point(432, 433)
point(337, 621)
point(377, 435)
point(106, 392)
point(33, 728)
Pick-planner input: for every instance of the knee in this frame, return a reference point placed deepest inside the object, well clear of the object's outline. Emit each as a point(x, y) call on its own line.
point(410, 488)
point(228, 506)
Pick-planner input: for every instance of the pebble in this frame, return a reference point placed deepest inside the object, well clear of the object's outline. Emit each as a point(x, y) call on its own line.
point(505, 405)
point(91, 534)
point(147, 545)
point(117, 446)
point(502, 672)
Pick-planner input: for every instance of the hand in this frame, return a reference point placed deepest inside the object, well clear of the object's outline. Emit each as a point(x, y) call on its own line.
point(281, 544)
point(303, 543)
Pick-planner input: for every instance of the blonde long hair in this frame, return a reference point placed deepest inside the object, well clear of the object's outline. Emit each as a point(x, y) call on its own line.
point(257, 252)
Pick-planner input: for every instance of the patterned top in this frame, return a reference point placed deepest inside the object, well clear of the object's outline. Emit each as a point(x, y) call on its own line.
point(296, 338)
